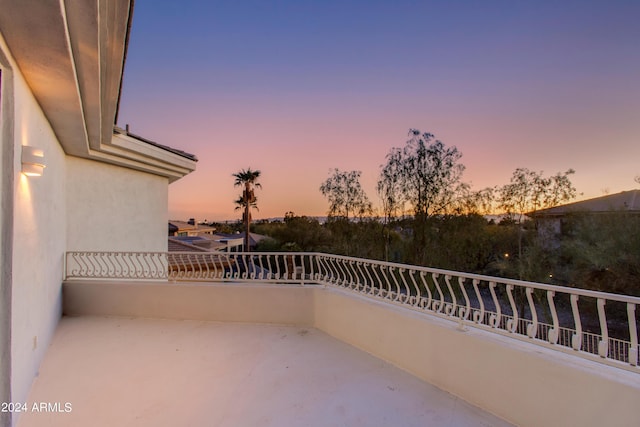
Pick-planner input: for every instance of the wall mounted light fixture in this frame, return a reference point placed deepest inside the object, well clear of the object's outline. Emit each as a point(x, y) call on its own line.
point(32, 161)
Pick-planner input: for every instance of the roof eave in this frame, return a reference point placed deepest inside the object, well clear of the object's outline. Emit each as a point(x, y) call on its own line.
point(72, 56)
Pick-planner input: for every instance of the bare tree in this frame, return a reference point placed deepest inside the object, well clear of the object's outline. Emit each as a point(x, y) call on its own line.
point(345, 194)
point(389, 187)
point(479, 202)
point(425, 174)
point(529, 191)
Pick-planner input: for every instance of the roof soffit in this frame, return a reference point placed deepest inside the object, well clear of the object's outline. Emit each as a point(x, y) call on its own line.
point(36, 33)
point(71, 53)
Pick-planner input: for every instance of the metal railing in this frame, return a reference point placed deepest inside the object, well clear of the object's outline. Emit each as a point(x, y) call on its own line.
point(590, 324)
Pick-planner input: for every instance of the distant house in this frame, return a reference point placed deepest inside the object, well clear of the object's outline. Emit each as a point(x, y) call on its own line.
point(203, 243)
point(549, 222)
point(237, 240)
point(189, 229)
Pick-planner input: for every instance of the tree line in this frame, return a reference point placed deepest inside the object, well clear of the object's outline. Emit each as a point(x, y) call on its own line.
point(429, 216)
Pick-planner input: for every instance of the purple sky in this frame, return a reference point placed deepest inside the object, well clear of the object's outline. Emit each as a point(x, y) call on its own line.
point(296, 88)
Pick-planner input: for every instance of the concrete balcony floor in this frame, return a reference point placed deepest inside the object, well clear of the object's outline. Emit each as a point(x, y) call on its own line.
point(145, 372)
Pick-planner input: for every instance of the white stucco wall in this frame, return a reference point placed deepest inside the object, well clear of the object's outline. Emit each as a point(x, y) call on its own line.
point(522, 383)
point(6, 230)
point(39, 240)
point(111, 208)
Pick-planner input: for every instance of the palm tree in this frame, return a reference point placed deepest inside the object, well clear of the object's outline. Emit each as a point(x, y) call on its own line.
point(249, 180)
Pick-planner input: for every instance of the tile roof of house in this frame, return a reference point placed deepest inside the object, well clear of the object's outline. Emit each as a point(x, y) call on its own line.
point(189, 156)
point(176, 245)
point(624, 201)
point(185, 226)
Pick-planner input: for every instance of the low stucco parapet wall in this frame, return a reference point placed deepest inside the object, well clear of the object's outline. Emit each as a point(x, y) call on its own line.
point(225, 302)
point(522, 383)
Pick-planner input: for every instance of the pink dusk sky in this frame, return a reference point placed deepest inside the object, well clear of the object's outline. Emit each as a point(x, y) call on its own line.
point(297, 88)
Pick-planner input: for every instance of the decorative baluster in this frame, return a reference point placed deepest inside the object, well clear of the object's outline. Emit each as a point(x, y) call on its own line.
point(108, 264)
point(320, 268)
point(464, 312)
point(348, 265)
point(170, 269)
point(478, 315)
point(251, 267)
point(77, 271)
point(450, 308)
point(375, 290)
point(383, 284)
point(576, 339)
point(302, 269)
point(553, 332)
point(342, 273)
point(112, 260)
point(270, 267)
point(95, 268)
point(425, 282)
point(414, 299)
point(92, 258)
point(158, 267)
point(362, 280)
point(532, 328)
point(259, 268)
point(209, 265)
point(226, 266)
point(437, 306)
point(388, 276)
point(195, 266)
point(406, 296)
point(288, 261)
point(335, 272)
point(314, 260)
point(202, 261)
point(83, 264)
point(104, 265)
point(189, 270)
point(185, 271)
point(149, 268)
point(324, 270)
point(234, 272)
point(145, 265)
point(215, 260)
point(370, 284)
point(192, 270)
point(603, 345)
point(494, 319)
point(248, 270)
point(276, 275)
point(149, 258)
point(199, 260)
point(159, 261)
point(633, 334)
point(392, 271)
point(512, 324)
point(138, 269)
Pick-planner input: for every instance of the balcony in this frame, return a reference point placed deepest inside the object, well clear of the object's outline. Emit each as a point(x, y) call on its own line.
point(316, 339)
